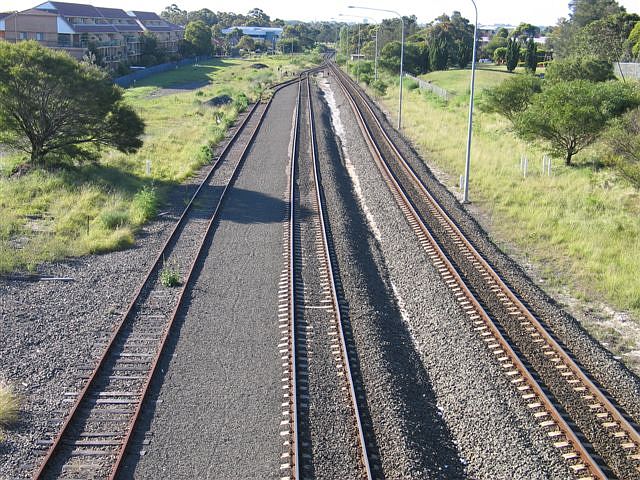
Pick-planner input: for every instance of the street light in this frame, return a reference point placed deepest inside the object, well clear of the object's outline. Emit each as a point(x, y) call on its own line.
point(401, 55)
point(467, 165)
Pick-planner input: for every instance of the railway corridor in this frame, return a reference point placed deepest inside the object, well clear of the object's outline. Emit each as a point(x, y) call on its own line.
point(373, 353)
point(214, 415)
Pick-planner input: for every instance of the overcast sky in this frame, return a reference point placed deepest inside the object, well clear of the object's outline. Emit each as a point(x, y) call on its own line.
point(538, 12)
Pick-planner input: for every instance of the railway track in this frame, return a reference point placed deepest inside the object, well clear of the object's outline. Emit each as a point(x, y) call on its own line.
point(323, 430)
point(594, 435)
point(95, 434)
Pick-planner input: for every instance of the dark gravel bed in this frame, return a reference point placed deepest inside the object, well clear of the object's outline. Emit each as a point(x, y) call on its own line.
point(327, 424)
point(36, 314)
point(408, 433)
point(494, 431)
point(615, 377)
point(214, 410)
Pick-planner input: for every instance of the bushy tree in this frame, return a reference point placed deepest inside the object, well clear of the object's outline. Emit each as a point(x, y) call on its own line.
point(570, 116)
point(511, 97)
point(247, 43)
point(500, 55)
point(50, 103)
point(579, 68)
point(513, 54)
point(583, 12)
point(198, 35)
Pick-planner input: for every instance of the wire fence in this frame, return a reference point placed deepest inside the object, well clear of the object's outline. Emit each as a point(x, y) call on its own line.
point(628, 70)
point(128, 80)
point(424, 85)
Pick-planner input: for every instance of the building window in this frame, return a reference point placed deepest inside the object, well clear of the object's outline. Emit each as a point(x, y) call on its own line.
point(22, 35)
point(40, 36)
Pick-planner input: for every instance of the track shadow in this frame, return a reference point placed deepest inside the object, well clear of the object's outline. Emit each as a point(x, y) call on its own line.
point(430, 439)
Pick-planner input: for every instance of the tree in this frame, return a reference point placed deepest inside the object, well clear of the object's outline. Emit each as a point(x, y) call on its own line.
point(174, 14)
point(570, 116)
point(579, 68)
point(513, 54)
point(198, 35)
point(150, 54)
point(247, 43)
point(500, 55)
point(511, 97)
point(438, 58)
point(583, 12)
point(50, 103)
point(607, 38)
point(257, 18)
point(524, 31)
point(634, 40)
point(531, 56)
point(495, 43)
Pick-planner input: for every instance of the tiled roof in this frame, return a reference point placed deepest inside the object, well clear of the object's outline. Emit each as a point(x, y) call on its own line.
point(112, 12)
point(159, 28)
point(146, 15)
point(75, 9)
point(94, 29)
point(129, 28)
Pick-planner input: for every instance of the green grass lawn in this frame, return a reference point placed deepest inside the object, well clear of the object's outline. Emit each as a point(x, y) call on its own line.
point(581, 226)
point(457, 82)
point(49, 215)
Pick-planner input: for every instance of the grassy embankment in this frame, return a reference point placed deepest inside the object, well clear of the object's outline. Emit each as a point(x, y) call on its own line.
point(581, 226)
point(49, 215)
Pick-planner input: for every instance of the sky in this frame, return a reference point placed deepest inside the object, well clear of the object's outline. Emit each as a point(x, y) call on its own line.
point(538, 12)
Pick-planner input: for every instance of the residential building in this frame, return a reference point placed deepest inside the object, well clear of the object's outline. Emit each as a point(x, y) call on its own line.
point(168, 34)
point(115, 35)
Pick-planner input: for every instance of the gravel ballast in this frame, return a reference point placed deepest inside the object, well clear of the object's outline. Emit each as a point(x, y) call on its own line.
point(215, 412)
point(496, 434)
point(600, 364)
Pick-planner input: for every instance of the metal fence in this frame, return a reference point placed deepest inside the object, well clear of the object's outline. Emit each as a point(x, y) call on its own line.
point(128, 80)
point(629, 70)
point(441, 92)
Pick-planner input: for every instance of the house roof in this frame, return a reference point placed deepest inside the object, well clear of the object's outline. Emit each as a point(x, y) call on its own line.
point(112, 12)
point(146, 15)
point(71, 9)
point(129, 28)
point(4, 15)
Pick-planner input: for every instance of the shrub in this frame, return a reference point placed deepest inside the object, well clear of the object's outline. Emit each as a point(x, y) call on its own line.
point(169, 276)
point(113, 219)
point(411, 84)
point(144, 205)
point(579, 68)
point(624, 141)
point(379, 87)
point(9, 405)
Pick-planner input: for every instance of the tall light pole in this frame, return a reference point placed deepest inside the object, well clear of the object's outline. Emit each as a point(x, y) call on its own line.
point(401, 55)
point(467, 165)
point(375, 57)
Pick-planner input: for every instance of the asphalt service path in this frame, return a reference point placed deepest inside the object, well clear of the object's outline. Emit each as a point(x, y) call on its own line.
point(214, 411)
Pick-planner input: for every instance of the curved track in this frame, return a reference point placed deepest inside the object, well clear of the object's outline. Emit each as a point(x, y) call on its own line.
point(554, 386)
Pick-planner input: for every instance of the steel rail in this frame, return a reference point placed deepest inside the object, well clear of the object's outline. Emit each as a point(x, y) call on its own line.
point(364, 456)
point(294, 444)
point(57, 442)
point(615, 421)
point(517, 369)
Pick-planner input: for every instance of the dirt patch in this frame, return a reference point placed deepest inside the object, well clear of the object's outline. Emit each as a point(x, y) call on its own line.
point(259, 66)
point(179, 88)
